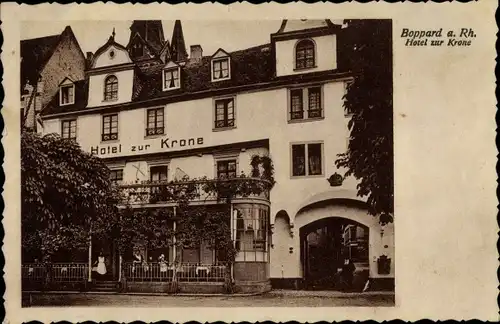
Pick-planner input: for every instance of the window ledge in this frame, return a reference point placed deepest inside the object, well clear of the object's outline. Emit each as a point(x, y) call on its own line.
point(111, 100)
point(221, 129)
point(154, 136)
point(308, 176)
point(305, 69)
point(110, 141)
point(170, 89)
point(66, 104)
point(223, 79)
point(305, 120)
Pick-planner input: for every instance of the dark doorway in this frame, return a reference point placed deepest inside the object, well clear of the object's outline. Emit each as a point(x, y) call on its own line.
point(325, 246)
point(106, 249)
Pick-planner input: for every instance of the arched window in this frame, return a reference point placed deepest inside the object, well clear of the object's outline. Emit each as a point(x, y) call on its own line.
point(111, 88)
point(304, 54)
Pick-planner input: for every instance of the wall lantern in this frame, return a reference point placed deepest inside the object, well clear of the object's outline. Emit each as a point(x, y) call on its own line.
point(335, 180)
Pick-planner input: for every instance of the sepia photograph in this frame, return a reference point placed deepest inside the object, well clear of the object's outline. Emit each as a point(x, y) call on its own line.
point(180, 163)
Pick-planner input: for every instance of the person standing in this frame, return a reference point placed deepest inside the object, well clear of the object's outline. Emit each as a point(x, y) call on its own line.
point(101, 265)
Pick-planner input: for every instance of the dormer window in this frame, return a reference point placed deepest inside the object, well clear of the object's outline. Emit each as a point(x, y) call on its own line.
point(67, 95)
point(111, 88)
point(305, 54)
point(220, 69)
point(171, 78)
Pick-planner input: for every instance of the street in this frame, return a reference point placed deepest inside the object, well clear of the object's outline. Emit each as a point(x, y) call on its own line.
point(275, 298)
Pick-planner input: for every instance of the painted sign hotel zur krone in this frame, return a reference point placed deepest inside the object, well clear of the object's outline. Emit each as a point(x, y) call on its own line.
point(162, 143)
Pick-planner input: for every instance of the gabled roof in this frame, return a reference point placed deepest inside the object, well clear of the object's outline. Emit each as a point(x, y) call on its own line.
point(64, 80)
point(36, 52)
point(220, 50)
point(103, 48)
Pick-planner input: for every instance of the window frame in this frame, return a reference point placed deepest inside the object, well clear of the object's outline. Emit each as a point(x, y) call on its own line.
point(105, 92)
point(117, 170)
point(156, 119)
point(71, 102)
point(306, 159)
point(296, 51)
point(212, 68)
point(226, 114)
point(63, 122)
point(258, 249)
point(110, 134)
point(171, 69)
point(153, 166)
point(223, 157)
point(305, 99)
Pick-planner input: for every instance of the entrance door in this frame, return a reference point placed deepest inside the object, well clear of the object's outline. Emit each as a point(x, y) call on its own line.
point(107, 249)
point(325, 245)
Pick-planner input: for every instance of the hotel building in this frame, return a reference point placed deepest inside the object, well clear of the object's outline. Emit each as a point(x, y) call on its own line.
point(154, 112)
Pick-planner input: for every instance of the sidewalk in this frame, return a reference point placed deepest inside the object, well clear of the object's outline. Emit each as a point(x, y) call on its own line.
point(272, 293)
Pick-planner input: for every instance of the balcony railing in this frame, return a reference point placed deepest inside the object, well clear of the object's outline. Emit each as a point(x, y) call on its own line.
point(162, 271)
point(194, 191)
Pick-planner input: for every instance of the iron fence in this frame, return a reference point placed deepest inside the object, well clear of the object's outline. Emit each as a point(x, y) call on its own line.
point(158, 271)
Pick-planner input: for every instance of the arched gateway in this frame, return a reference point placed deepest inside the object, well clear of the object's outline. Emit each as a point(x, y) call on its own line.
point(325, 231)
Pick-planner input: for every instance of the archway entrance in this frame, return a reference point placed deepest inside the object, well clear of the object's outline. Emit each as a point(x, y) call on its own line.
point(325, 244)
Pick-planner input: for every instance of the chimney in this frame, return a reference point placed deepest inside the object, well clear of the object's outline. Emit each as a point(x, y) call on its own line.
point(196, 53)
point(89, 58)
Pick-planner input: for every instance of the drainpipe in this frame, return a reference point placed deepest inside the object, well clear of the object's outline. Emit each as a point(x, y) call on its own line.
point(90, 259)
point(174, 241)
point(232, 211)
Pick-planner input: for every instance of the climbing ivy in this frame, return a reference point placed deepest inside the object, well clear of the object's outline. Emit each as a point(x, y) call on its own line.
point(210, 224)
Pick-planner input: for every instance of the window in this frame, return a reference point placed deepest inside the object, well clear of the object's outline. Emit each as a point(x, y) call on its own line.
point(314, 102)
point(252, 228)
point(116, 176)
point(68, 129)
point(224, 113)
point(220, 69)
point(67, 95)
point(307, 159)
point(137, 50)
point(306, 98)
point(110, 127)
point(296, 101)
point(226, 169)
point(158, 173)
point(304, 54)
point(111, 88)
point(171, 79)
point(155, 122)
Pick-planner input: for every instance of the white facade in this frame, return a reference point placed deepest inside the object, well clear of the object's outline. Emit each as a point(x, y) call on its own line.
point(261, 115)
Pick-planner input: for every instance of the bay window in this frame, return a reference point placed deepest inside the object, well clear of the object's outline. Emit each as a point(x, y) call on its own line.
point(251, 232)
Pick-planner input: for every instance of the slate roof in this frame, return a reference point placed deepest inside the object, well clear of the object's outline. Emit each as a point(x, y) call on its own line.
point(250, 66)
point(35, 54)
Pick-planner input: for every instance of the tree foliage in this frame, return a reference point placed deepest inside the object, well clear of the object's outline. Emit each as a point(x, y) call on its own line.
point(368, 99)
point(66, 194)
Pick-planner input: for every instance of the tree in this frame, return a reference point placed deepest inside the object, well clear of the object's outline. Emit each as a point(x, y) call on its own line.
point(66, 195)
point(368, 99)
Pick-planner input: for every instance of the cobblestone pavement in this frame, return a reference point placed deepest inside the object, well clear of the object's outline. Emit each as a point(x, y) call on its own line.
point(274, 298)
